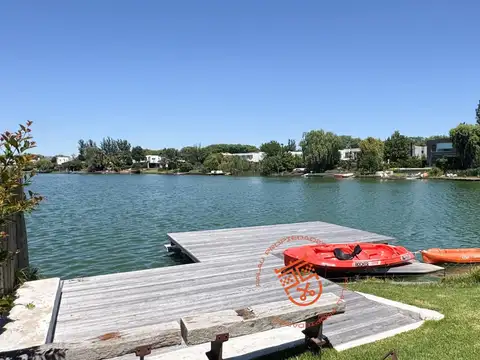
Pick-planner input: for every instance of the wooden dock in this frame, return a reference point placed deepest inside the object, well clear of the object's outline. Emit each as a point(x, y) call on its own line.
point(225, 276)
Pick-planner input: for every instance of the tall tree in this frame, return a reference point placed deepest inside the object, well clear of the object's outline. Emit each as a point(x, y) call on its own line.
point(235, 165)
point(109, 146)
point(417, 140)
point(82, 147)
point(437, 137)
point(213, 161)
point(138, 154)
point(320, 150)
point(272, 165)
point(371, 155)
point(397, 147)
point(349, 142)
point(466, 140)
point(271, 148)
point(123, 145)
point(124, 155)
point(230, 148)
point(195, 155)
point(95, 159)
point(477, 113)
point(81, 150)
point(291, 145)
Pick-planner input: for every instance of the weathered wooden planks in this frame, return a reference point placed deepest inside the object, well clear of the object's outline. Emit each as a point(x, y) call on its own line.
point(236, 288)
point(243, 242)
point(107, 345)
point(123, 342)
point(202, 328)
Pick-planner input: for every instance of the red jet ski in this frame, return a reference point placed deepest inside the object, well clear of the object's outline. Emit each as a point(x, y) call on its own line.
point(348, 258)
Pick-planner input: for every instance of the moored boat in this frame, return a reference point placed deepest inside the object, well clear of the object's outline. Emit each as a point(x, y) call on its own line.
point(459, 256)
point(348, 258)
point(343, 176)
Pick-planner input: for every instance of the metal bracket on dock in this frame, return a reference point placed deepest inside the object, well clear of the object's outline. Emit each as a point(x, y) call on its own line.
point(143, 351)
point(216, 348)
point(314, 339)
point(172, 248)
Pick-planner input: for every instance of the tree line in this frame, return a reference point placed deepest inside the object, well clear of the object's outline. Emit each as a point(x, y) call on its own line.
point(319, 152)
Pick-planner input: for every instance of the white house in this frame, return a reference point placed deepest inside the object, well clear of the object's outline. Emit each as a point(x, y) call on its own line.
point(63, 159)
point(154, 161)
point(296, 153)
point(349, 154)
point(252, 156)
point(418, 151)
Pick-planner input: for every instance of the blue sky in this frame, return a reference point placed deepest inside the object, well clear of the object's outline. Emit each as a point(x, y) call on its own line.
point(176, 73)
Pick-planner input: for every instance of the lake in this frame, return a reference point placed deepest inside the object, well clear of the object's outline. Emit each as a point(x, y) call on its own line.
point(99, 224)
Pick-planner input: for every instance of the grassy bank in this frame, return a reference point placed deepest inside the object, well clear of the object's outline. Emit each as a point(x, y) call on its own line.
point(454, 337)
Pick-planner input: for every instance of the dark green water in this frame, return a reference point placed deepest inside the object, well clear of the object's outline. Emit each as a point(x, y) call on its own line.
point(99, 224)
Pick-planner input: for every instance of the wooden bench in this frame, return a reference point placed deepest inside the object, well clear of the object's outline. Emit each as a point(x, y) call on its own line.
point(218, 327)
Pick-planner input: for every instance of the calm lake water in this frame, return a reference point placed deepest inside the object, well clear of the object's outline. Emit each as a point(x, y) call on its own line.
point(99, 224)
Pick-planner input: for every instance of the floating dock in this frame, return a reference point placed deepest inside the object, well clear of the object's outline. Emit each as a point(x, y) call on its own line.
point(232, 269)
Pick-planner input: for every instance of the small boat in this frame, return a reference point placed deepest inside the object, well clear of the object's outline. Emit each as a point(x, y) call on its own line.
point(414, 176)
point(343, 176)
point(459, 256)
point(349, 258)
point(217, 172)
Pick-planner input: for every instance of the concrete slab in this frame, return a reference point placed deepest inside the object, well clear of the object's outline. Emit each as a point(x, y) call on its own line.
point(32, 316)
point(122, 342)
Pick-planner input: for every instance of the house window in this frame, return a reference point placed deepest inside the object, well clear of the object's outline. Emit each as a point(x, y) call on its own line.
point(444, 147)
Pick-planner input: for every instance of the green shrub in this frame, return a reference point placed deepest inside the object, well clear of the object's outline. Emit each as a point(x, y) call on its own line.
point(472, 172)
point(435, 171)
point(347, 164)
point(185, 166)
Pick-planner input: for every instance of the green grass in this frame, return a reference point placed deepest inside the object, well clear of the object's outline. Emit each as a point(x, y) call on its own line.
point(457, 336)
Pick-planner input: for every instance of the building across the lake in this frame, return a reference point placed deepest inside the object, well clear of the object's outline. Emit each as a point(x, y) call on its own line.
point(349, 154)
point(256, 157)
point(60, 159)
point(154, 161)
point(418, 151)
point(439, 148)
point(296, 153)
point(251, 156)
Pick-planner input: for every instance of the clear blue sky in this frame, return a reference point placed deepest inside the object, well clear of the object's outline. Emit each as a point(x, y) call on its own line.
point(176, 73)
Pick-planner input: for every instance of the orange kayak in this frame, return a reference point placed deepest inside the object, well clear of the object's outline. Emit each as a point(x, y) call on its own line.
point(459, 256)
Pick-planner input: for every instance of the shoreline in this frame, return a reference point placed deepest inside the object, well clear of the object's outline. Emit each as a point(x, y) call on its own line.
point(290, 175)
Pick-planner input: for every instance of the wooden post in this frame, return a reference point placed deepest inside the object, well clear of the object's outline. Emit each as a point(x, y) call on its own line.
point(22, 244)
point(16, 247)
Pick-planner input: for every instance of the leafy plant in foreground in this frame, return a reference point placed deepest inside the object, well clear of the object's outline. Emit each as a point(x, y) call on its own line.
point(13, 160)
